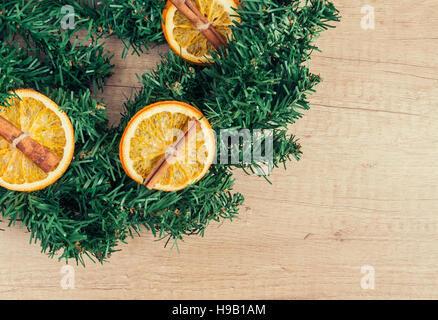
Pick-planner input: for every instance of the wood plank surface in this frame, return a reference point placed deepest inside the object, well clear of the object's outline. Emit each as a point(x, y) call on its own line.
point(364, 194)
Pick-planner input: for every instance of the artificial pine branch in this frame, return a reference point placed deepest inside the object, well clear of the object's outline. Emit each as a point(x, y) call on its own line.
point(261, 81)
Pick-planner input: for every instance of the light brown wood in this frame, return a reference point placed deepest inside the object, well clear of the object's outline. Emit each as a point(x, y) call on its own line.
point(365, 192)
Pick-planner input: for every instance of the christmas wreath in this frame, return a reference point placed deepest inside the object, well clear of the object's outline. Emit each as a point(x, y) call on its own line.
point(259, 81)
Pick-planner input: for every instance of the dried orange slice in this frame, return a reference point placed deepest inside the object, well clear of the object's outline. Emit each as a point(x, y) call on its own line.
point(40, 118)
point(153, 130)
point(188, 42)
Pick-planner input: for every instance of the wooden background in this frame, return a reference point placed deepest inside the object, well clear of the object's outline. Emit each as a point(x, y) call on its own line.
point(365, 192)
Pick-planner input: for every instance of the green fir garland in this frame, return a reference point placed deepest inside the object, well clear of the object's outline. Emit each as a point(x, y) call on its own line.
point(260, 82)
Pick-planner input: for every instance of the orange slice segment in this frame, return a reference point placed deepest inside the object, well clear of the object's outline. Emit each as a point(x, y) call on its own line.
point(188, 42)
point(41, 118)
point(153, 130)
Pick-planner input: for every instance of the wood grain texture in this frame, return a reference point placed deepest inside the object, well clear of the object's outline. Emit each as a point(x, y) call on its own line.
point(365, 192)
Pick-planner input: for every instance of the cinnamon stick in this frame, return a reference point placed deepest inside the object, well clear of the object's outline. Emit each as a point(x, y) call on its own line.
point(191, 12)
point(165, 160)
point(37, 153)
